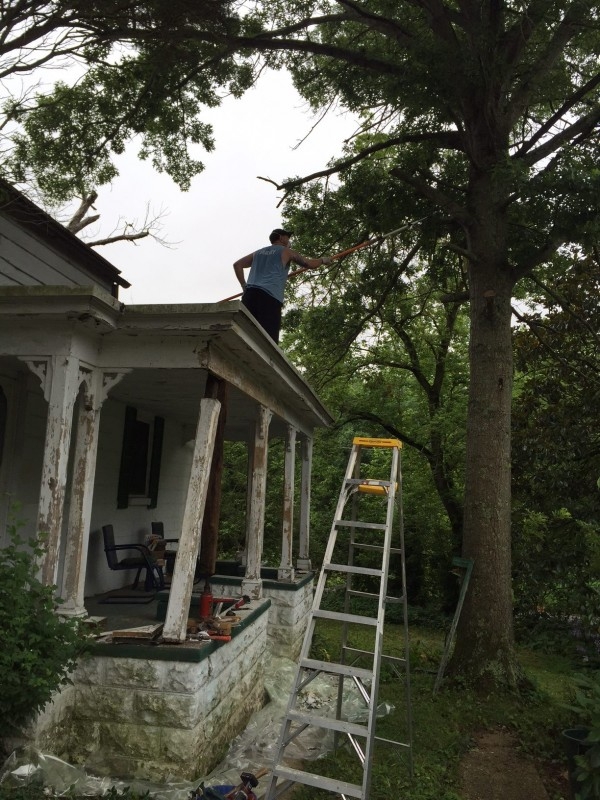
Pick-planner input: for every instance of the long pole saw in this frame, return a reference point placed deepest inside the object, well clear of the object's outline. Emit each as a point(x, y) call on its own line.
point(344, 253)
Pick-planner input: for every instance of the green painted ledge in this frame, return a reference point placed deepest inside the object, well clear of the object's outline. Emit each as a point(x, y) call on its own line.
point(230, 580)
point(190, 651)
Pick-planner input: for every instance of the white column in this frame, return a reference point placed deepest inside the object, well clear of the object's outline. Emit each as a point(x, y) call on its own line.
point(286, 567)
point(60, 381)
point(189, 543)
point(242, 555)
point(252, 583)
point(303, 562)
point(95, 390)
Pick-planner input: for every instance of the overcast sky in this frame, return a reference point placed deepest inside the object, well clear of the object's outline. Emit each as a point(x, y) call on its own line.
point(228, 212)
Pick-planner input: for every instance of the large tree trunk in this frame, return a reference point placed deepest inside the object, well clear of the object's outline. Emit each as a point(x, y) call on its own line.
point(484, 650)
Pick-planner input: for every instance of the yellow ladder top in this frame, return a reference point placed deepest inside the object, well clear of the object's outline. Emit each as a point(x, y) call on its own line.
point(365, 442)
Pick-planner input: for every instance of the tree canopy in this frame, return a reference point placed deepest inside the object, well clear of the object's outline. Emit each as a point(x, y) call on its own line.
point(482, 115)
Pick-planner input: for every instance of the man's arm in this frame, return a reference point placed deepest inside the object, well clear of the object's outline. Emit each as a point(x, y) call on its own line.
point(303, 261)
point(240, 265)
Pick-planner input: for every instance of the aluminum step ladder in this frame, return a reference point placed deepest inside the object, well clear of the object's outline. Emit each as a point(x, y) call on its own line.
point(357, 555)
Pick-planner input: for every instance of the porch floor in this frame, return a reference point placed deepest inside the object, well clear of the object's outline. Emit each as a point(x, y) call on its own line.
point(122, 614)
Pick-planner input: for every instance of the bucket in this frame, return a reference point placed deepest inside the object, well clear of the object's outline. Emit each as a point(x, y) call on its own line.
point(573, 739)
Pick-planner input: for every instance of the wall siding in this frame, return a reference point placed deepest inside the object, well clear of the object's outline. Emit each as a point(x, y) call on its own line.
point(26, 261)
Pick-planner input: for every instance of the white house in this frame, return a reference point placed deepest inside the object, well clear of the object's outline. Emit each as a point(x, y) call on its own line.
point(109, 414)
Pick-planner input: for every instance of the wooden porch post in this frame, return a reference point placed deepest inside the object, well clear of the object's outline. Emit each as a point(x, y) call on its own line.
point(96, 387)
point(185, 564)
point(286, 567)
point(60, 381)
point(217, 389)
point(303, 562)
point(252, 583)
point(249, 463)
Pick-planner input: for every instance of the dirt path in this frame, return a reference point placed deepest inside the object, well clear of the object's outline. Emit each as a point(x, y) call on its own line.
point(493, 770)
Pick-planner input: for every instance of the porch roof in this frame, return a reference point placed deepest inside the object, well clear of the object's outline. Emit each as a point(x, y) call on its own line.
point(167, 352)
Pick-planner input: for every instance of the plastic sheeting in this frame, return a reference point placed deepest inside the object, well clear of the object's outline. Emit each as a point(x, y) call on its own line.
point(254, 749)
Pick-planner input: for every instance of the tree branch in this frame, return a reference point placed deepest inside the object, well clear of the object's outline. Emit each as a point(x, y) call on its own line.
point(353, 57)
point(456, 211)
point(372, 312)
point(79, 221)
point(449, 139)
point(565, 305)
point(121, 237)
point(376, 22)
point(441, 18)
point(576, 97)
point(568, 363)
point(389, 427)
point(553, 241)
point(582, 128)
point(565, 31)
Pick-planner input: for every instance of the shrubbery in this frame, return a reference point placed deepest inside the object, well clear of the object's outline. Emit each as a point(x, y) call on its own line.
point(39, 649)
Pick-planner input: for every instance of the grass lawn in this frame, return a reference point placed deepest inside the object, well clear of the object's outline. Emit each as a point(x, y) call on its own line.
point(444, 725)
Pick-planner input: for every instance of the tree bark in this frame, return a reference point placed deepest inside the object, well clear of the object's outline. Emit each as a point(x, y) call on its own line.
point(485, 652)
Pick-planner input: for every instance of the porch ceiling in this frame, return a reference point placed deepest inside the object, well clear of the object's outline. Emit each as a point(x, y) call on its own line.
point(176, 394)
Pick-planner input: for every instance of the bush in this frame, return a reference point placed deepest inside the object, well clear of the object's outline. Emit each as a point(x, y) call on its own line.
point(586, 705)
point(39, 649)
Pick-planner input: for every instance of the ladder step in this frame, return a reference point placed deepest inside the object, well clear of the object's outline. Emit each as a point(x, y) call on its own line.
point(318, 781)
point(369, 488)
point(356, 593)
point(392, 741)
point(339, 617)
point(354, 523)
point(379, 547)
point(368, 482)
point(328, 722)
point(388, 599)
point(337, 669)
point(368, 441)
point(393, 659)
point(377, 573)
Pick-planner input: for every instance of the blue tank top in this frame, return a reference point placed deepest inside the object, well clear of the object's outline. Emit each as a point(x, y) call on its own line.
point(267, 271)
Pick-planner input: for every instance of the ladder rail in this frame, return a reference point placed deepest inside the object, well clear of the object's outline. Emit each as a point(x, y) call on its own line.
point(364, 679)
point(372, 723)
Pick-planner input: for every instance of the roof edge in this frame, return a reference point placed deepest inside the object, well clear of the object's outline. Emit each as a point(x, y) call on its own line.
point(16, 205)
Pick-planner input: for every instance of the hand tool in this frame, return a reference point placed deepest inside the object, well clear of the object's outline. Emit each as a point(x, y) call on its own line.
point(232, 609)
point(343, 253)
point(249, 781)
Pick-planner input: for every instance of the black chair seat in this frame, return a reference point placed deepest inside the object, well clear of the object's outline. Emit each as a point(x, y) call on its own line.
point(154, 578)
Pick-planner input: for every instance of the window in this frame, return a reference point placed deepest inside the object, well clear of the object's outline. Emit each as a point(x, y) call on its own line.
point(140, 460)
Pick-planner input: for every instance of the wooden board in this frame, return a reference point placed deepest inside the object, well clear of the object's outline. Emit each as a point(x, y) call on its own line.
point(143, 632)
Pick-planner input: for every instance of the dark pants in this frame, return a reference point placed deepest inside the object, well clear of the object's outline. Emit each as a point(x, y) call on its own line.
point(265, 309)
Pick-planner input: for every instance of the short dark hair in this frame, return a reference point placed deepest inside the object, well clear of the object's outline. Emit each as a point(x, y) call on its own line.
point(277, 233)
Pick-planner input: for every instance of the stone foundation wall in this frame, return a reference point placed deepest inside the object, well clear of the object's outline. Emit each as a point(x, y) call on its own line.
point(144, 712)
point(288, 615)
point(145, 717)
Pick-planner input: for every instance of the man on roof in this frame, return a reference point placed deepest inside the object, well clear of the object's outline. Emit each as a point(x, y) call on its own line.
point(269, 268)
